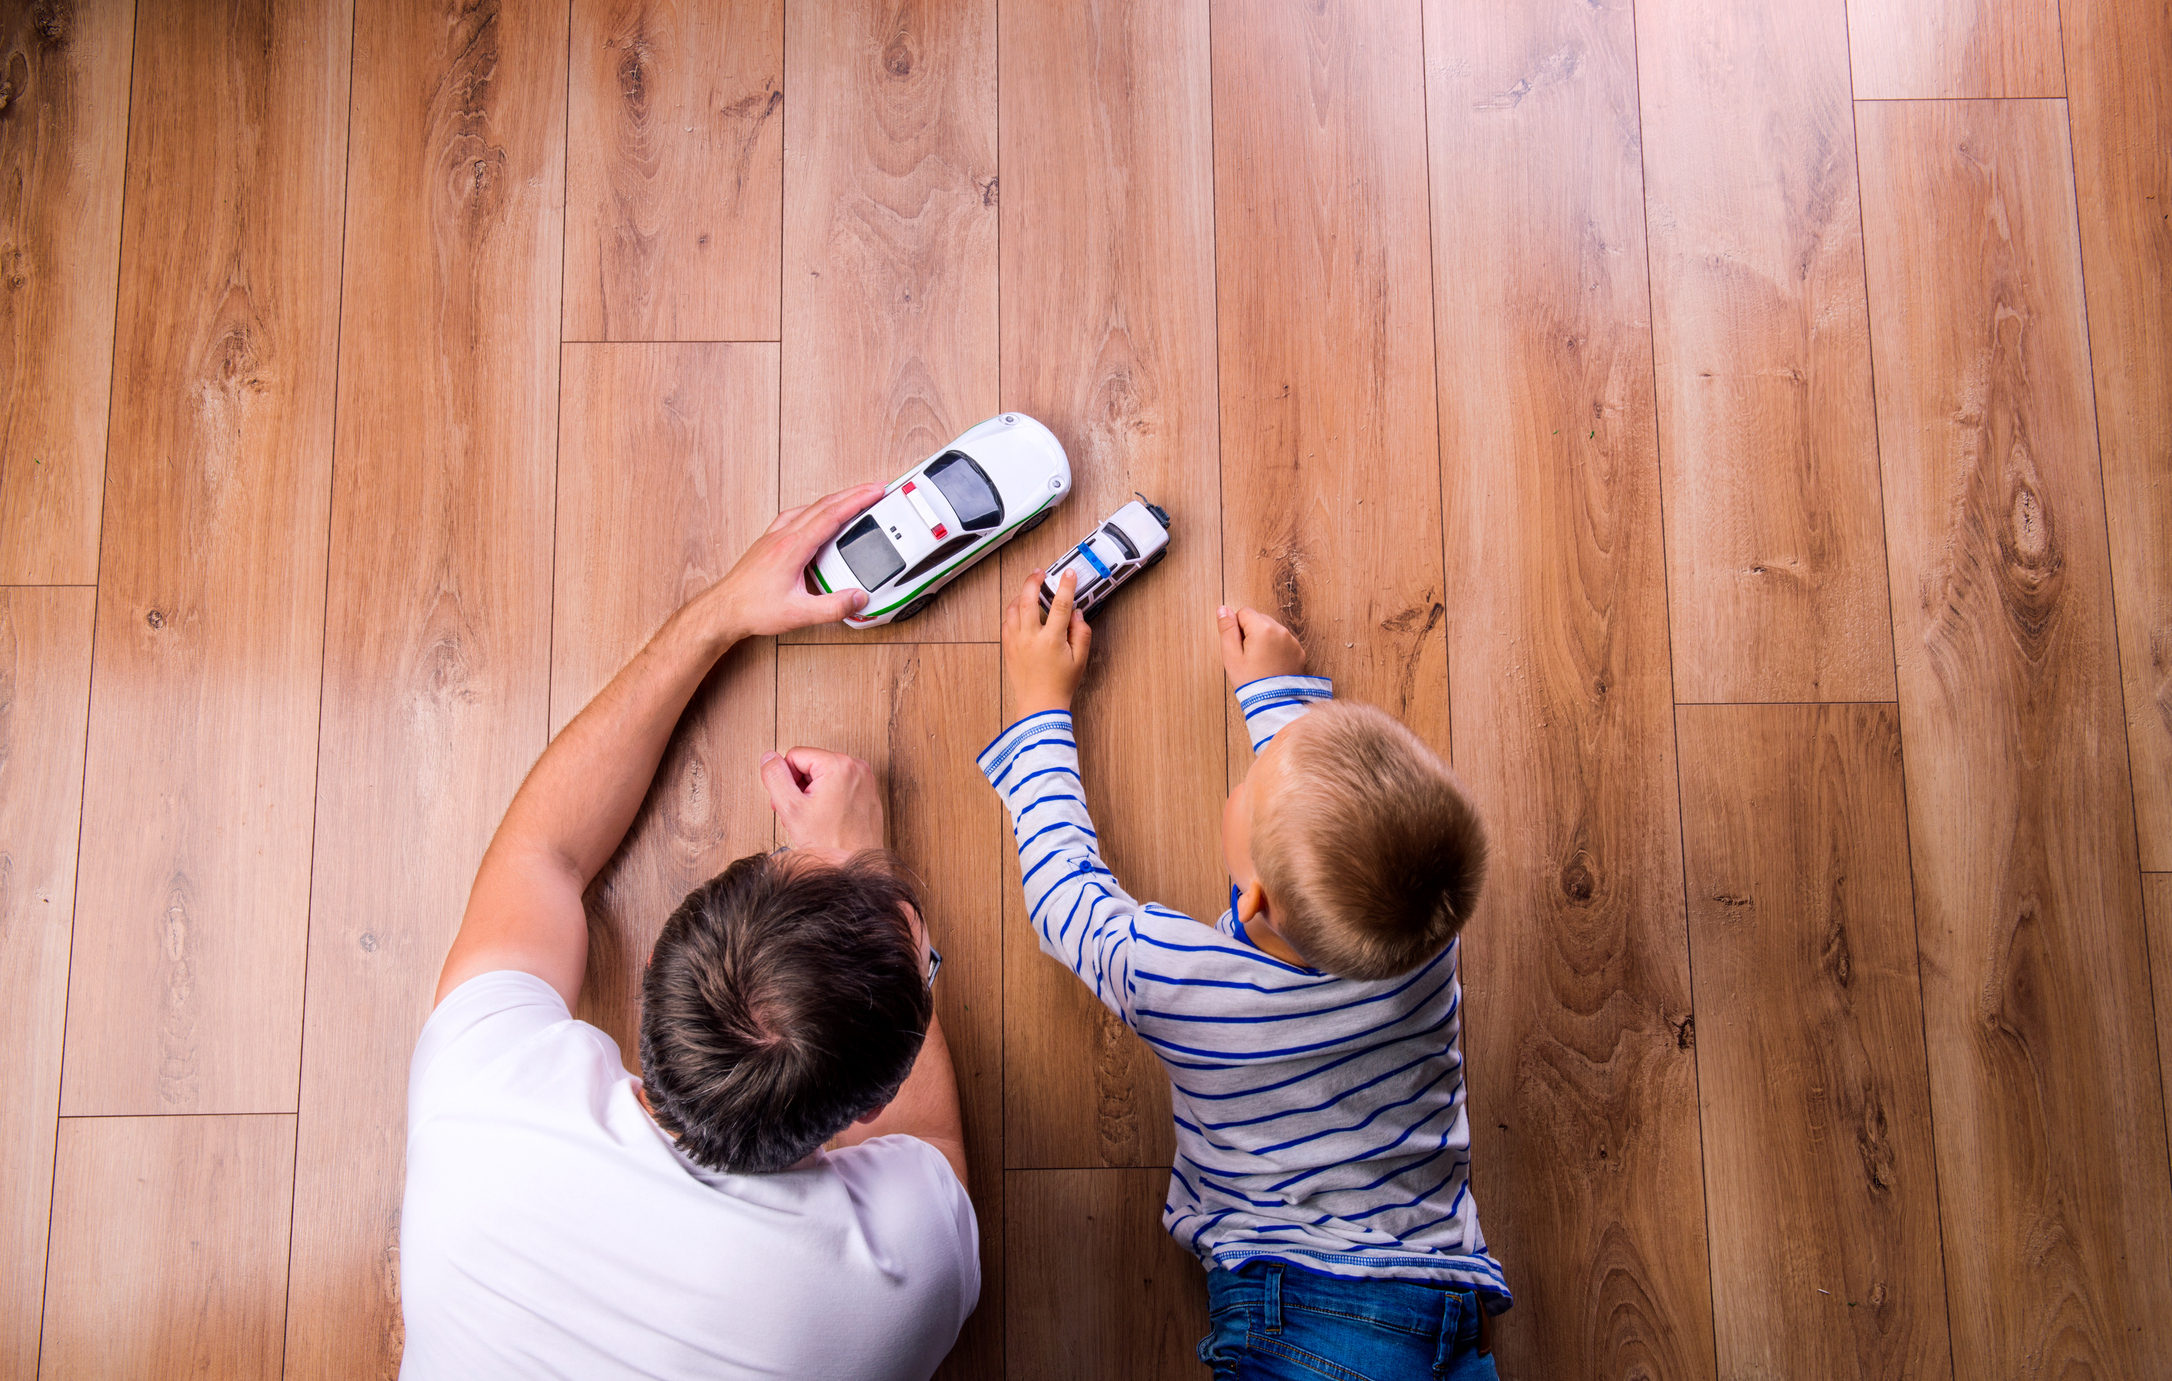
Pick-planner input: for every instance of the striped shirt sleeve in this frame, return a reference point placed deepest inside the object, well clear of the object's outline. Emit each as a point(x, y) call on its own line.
point(1271, 702)
point(1083, 917)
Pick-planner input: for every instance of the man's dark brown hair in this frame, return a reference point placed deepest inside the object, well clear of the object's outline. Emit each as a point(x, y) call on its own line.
point(1370, 853)
point(781, 1002)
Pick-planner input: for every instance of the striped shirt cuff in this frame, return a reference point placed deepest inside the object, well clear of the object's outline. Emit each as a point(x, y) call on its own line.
point(1049, 726)
point(1271, 702)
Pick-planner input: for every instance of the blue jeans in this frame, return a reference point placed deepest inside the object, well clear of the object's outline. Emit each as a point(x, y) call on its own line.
point(1272, 1322)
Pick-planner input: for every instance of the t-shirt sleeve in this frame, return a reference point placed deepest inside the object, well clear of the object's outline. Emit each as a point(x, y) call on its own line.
point(478, 1022)
point(925, 1216)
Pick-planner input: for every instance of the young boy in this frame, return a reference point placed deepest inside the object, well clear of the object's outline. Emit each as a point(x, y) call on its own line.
point(1311, 1034)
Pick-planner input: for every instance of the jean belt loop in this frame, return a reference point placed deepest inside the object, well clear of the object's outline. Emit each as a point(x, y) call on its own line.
point(1274, 1297)
point(1452, 1305)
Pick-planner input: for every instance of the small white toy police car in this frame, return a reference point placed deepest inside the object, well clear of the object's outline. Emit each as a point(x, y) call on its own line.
point(1133, 538)
point(933, 522)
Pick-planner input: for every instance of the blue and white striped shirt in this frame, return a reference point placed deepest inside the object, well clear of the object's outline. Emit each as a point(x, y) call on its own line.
point(1320, 1120)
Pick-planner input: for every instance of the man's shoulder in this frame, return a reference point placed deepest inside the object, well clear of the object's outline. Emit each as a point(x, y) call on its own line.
point(492, 1027)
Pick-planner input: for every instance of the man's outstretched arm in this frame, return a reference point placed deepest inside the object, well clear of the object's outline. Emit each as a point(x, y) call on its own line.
point(580, 797)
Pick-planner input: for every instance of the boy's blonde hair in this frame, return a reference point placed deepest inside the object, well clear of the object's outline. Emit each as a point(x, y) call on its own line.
point(1370, 853)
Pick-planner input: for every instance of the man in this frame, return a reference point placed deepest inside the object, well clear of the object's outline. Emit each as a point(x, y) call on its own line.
point(564, 1218)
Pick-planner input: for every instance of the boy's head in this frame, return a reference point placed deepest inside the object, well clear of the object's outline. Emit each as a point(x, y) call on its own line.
point(786, 998)
point(1367, 855)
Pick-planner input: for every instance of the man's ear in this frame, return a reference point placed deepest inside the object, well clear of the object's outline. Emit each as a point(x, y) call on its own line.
point(871, 1114)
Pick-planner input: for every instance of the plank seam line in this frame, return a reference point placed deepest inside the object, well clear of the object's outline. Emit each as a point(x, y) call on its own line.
point(1923, 1020)
point(1773, 704)
point(1928, 100)
point(324, 641)
point(752, 340)
point(148, 1116)
point(1440, 452)
point(558, 409)
point(90, 678)
point(1674, 731)
point(2111, 579)
point(1003, 964)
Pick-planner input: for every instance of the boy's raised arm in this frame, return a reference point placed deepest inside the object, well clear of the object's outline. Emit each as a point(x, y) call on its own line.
point(1082, 916)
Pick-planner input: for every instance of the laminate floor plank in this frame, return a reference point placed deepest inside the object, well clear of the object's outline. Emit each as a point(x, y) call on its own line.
point(63, 137)
point(889, 262)
point(667, 470)
point(186, 983)
point(169, 1248)
point(1330, 496)
point(1095, 1288)
point(917, 715)
point(437, 665)
point(45, 661)
point(1819, 1169)
point(675, 170)
point(2049, 1117)
point(1954, 49)
point(1586, 1161)
point(1108, 167)
point(1768, 444)
point(2119, 113)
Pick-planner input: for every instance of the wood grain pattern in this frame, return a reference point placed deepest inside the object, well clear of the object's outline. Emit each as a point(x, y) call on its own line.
point(675, 448)
point(45, 658)
point(438, 619)
point(1816, 1106)
point(889, 261)
point(169, 1247)
point(1925, 49)
point(63, 134)
point(1768, 444)
point(2120, 117)
point(2050, 1121)
point(1095, 1288)
point(917, 715)
point(1108, 166)
point(1330, 441)
point(186, 984)
point(674, 170)
point(1578, 1026)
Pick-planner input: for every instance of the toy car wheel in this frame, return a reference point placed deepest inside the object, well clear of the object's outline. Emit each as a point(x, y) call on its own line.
point(913, 608)
point(1033, 522)
point(1155, 559)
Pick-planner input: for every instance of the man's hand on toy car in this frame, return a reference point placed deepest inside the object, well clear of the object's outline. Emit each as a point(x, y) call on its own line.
point(1045, 660)
point(766, 591)
point(1254, 645)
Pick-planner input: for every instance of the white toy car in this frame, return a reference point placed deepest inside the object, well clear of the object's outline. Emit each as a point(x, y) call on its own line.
point(933, 522)
point(1133, 538)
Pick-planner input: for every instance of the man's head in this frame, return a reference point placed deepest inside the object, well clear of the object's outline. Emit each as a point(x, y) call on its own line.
point(785, 998)
point(1360, 847)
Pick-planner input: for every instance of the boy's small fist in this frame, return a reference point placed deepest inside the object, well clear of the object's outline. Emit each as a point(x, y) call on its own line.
point(1254, 645)
point(1045, 658)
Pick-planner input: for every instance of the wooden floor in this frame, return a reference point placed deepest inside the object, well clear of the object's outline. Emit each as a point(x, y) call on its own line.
point(1739, 430)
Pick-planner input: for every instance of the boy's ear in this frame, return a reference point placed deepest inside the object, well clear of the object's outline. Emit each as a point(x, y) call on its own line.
point(1251, 902)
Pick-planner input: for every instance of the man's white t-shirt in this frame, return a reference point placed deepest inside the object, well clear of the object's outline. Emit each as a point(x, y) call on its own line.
point(552, 1229)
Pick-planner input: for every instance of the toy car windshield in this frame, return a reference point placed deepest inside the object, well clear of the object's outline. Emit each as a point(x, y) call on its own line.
point(870, 555)
point(967, 488)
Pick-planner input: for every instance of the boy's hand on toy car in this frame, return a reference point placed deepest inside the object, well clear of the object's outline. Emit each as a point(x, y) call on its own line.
point(766, 591)
point(826, 800)
point(1254, 645)
point(1045, 659)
